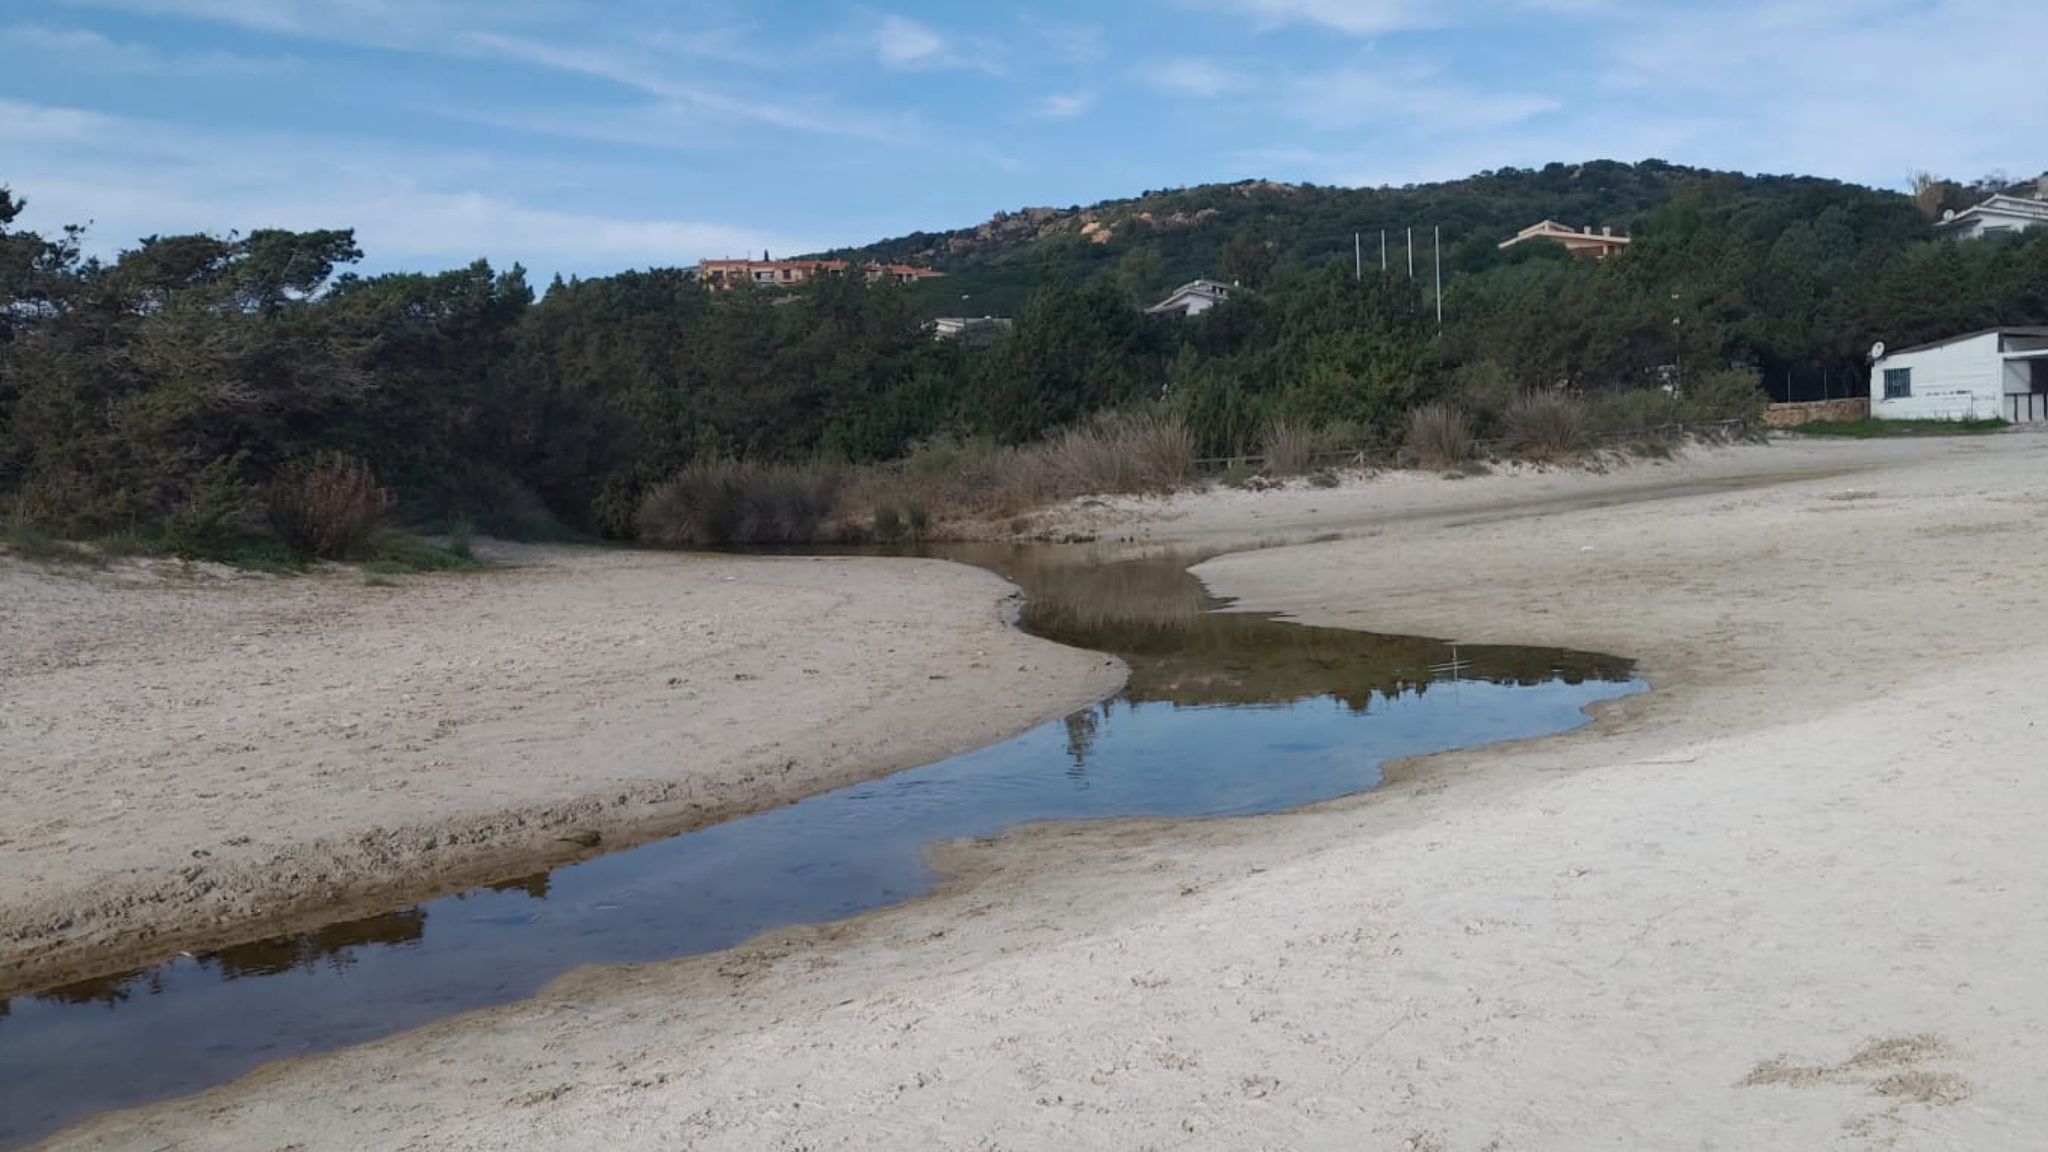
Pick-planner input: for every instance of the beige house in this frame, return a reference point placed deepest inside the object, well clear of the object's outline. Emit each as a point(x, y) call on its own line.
point(1584, 244)
point(721, 275)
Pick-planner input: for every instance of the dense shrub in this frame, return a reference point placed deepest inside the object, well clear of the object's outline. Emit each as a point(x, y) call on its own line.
point(1729, 394)
point(1633, 412)
point(1437, 436)
point(721, 501)
point(1547, 425)
point(1483, 391)
point(328, 505)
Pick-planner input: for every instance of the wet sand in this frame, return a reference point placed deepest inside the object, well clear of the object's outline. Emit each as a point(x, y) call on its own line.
point(196, 757)
point(1787, 900)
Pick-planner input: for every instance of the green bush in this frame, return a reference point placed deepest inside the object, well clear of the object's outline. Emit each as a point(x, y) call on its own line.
point(1483, 391)
point(218, 514)
point(1727, 394)
point(1631, 412)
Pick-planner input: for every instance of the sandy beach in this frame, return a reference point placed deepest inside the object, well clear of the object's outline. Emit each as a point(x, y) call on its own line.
point(1789, 899)
point(197, 757)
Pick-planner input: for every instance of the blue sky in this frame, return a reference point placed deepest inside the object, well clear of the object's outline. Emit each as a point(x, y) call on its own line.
point(585, 137)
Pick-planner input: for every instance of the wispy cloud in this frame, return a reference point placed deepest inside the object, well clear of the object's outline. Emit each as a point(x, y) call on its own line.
point(689, 97)
point(85, 50)
point(401, 24)
point(408, 208)
point(1073, 44)
point(25, 123)
point(1192, 76)
point(905, 45)
point(1868, 89)
point(1408, 98)
point(1064, 105)
point(1351, 17)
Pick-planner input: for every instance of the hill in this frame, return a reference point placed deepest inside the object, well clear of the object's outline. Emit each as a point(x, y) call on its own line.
point(1260, 230)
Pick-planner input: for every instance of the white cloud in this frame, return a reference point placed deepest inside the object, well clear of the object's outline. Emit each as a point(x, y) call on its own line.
point(904, 43)
point(1064, 105)
point(1192, 76)
point(410, 208)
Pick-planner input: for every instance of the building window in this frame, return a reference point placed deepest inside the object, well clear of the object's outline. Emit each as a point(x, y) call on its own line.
point(1898, 383)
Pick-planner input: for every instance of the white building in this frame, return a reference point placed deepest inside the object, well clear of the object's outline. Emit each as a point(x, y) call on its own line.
point(1995, 374)
point(972, 331)
point(1192, 299)
point(1999, 216)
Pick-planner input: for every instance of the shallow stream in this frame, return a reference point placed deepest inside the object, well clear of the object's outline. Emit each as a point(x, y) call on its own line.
point(1225, 714)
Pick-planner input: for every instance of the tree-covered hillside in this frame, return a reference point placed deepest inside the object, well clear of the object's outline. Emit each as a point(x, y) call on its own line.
point(164, 393)
point(1257, 231)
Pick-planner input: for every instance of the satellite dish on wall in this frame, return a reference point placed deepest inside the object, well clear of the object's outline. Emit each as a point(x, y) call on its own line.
point(1877, 352)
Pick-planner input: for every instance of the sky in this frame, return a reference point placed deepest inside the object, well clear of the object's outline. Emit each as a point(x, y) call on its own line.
point(582, 137)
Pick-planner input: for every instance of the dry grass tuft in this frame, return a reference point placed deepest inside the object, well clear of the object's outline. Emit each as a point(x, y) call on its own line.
point(1545, 426)
point(1289, 447)
point(1437, 436)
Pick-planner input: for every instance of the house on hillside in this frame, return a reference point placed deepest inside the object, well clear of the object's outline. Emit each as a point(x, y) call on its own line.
point(970, 331)
point(900, 273)
point(1583, 245)
point(1994, 374)
point(721, 275)
point(2001, 215)
point(1192, 299)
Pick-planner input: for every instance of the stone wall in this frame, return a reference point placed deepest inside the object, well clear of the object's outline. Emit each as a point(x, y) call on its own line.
point(1818, 412)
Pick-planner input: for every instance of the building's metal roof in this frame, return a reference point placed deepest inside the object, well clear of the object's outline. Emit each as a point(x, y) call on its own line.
point(2006, 330)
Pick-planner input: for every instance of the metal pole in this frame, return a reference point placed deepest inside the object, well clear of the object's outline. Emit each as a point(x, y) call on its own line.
point(1411, 253)
point(1383, 251)
point(1357, 257)
point(1437, 243)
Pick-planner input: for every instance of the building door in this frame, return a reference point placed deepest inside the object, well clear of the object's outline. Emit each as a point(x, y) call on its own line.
point(2032, 408)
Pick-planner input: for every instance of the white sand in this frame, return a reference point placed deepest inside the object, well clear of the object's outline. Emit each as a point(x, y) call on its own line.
point(194, 759)
point(1790, 900)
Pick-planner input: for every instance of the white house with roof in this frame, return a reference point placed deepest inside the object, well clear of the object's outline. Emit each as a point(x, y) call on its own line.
point(1192, 299)
point(2001, 215)
point(1993, 374)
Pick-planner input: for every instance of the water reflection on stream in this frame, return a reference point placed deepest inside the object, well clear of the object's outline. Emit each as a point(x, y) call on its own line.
point(1224, 714)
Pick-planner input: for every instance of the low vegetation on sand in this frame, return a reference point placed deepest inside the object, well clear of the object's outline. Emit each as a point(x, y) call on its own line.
point(1873, 429)
point(326, 506)
point(944, 487)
